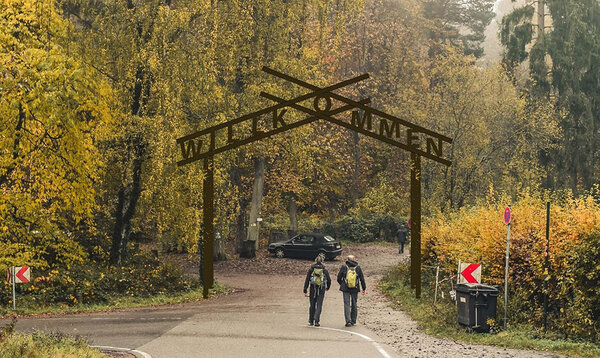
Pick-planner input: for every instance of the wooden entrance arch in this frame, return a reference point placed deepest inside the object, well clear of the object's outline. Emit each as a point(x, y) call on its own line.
point(419, 141)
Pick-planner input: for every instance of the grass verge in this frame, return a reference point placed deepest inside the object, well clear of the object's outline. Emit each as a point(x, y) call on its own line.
point(42, 345)
point(441, 320)
point(118, 302)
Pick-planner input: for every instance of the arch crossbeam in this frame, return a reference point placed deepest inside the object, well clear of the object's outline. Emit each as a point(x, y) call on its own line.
point(384, 127)
point(203, 144)
point(385, 132)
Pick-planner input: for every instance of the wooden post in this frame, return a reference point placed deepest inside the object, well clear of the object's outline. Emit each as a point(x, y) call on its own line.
point(208, 192)
point(546, 266)
point(415, 218)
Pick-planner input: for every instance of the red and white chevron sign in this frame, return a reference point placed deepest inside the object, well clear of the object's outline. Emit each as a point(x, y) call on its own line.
point(469, 273)
point(22, 274)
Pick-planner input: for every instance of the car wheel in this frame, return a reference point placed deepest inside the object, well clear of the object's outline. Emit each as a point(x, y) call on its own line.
point(322, 256)
point(279, 253)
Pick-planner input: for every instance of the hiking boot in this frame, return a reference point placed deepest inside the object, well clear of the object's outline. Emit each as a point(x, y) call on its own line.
point(317, 324)
point(348, 324)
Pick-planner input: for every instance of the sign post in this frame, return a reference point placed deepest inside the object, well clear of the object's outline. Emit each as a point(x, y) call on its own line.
point(546, 264)
point(13, 279)
point(507, 220)
point(18, 275)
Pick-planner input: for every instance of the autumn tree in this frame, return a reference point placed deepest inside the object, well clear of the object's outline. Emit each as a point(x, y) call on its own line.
point(497, 136)
point(140, 48)
point(53, 109)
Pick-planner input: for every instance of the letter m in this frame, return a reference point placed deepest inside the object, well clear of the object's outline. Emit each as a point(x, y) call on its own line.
point(190, 149)
point(359, 122)
point(386, 130)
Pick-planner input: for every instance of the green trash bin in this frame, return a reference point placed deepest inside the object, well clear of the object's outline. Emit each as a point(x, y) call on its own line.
point(476, 304)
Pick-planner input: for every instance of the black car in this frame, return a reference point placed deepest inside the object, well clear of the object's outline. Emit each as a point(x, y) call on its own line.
point(307, 245)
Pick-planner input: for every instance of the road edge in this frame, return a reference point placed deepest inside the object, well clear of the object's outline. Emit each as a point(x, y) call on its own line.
point(138, 354)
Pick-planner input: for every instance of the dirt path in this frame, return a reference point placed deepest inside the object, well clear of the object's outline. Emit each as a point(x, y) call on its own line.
point(395, 328)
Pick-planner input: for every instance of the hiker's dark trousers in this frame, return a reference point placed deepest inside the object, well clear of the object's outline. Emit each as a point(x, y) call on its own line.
point(401, 250)
point(316, 304)
point(350, 310)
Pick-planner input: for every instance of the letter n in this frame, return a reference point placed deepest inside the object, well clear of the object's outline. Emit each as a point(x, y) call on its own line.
point(436, 148)
point(360, 122)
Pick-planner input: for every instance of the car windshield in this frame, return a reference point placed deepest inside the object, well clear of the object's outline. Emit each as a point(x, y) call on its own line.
point(329, 238)
point(303, 240)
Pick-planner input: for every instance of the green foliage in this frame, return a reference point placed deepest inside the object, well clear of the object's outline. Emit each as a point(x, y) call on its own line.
point(563, 68)
point(460, 22)
point(376, 228)
point(349, 228)
point(515, 34)
point(579, 313)
point(91, 284)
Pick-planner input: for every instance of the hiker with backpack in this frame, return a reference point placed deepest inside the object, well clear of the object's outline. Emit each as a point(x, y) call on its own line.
point(351, 279)
point(318, 279)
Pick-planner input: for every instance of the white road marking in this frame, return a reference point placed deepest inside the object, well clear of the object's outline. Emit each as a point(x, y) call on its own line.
point(143, 354)
point(375, 344)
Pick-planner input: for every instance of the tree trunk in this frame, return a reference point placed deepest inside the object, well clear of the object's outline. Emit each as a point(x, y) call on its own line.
point(541, 18)
point(292, 211)
point(201, 253)
point(124, 213)
point(255, 204)
point(240, 223)
point(356, 167)
point(126, 205)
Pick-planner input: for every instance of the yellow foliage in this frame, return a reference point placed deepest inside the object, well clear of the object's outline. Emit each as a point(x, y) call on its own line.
point(478, 234)
point(51, 106)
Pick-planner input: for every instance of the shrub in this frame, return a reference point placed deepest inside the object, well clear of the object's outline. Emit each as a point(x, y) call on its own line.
point(378, 228)
point(143, 276)
point(478, 234)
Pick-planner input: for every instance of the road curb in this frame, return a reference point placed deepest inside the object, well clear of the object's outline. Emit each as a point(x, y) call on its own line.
point(136, 353)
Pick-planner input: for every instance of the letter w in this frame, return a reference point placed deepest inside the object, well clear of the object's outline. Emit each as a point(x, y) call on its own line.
point(360, 122)
point(189, 149)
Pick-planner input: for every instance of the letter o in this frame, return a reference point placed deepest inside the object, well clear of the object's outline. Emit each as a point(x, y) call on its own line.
point(327, 103)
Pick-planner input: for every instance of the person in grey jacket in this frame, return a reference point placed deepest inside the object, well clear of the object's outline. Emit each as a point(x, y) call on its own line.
point(317, 291)
point(401, 239)
point(351, 293)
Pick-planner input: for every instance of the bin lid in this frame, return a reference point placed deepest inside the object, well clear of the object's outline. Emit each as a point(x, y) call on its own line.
point(475, 287)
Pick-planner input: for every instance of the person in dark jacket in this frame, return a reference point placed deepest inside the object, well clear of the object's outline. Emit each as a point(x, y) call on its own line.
point(351, 293)
point(401, 239)
point(317, 289)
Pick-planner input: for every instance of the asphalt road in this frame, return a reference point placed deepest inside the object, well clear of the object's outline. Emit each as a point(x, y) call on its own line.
point(267, 317)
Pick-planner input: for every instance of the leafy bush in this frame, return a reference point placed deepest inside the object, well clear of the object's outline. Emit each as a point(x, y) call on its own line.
point(349, 228)
point(379, 228)
point(142, 277)
point(376, 227)
point(478, 234)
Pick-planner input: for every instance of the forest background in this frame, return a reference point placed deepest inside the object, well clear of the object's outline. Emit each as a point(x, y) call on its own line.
point(93, 95)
